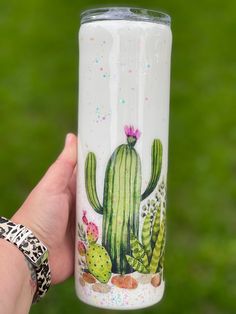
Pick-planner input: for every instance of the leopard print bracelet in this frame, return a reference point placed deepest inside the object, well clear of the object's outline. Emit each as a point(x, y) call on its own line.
point(33, 249)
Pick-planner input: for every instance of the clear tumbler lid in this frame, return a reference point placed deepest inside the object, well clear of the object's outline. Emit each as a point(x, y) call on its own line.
point(125, 13)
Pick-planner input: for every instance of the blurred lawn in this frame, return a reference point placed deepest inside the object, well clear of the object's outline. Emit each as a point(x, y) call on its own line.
point(38, 105)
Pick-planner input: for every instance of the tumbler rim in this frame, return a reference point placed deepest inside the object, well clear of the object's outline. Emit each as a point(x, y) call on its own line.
point(125, 13)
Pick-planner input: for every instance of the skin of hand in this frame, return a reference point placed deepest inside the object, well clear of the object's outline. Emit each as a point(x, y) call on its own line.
point(49, 211)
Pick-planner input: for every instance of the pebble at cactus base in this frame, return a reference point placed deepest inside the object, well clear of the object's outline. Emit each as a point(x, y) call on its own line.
point(134, 223)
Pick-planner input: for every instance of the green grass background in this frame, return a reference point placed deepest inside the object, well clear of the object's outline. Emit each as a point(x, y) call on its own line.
point(38, 105)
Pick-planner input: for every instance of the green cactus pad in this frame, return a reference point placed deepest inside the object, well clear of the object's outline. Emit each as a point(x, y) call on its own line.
point(98, 262)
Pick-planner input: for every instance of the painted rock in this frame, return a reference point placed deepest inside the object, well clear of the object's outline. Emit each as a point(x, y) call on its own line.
point(81, 248)
point(81, 281)
point(156, 280)
point(125, 282)
point(100, 287)
point(87, 277)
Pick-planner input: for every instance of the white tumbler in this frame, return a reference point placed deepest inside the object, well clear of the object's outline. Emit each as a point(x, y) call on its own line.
point(124, 82)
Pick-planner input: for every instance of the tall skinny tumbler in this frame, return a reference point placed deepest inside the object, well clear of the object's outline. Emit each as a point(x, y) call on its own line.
point(124, 82)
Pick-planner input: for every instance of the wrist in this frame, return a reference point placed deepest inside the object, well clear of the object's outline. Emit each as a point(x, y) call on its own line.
point(32, 248)
point(19, 280)
point(19, 219)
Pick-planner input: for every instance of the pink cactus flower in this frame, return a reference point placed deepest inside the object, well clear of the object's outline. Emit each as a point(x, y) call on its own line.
point(131, 132)
point(132, 135)
point(81, 248)
point(84, 218)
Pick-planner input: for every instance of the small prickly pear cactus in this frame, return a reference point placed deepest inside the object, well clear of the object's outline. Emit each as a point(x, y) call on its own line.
point(92, 229)
point(98, 262)
point(122, 196)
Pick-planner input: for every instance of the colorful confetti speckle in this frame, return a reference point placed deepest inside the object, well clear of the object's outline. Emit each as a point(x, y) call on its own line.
point(122, 298)
point(106, 75)
point(99, 115)
point(122, 101)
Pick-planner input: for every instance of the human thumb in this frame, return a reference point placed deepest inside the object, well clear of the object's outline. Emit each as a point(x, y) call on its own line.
point(60, 172)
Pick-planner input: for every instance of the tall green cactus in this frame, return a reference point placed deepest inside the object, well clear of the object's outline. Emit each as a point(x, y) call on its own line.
point(121, 196)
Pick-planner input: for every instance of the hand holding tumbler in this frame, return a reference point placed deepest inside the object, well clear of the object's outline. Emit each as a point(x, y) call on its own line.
point(124, 81)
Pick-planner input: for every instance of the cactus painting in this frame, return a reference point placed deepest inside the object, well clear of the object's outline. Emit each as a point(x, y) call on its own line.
point(122, 197)
point(97, 263)
point(92, 229)
point(148, 255)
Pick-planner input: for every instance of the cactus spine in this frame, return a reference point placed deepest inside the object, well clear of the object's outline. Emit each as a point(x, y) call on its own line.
point(121, 196)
